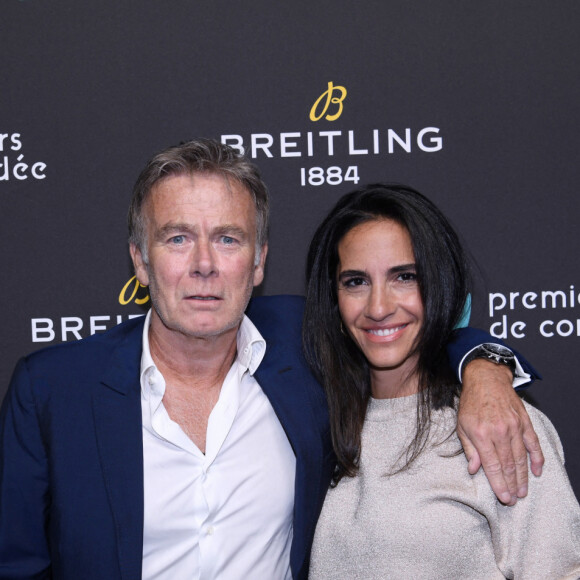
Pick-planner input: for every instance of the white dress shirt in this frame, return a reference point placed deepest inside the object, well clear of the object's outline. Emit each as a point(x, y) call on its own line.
point(226, 514)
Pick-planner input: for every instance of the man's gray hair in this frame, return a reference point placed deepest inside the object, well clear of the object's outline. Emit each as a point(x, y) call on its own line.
point(197, 156)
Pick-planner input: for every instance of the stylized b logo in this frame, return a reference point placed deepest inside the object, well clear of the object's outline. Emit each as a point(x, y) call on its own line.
point(326, 103)
point(137, 285)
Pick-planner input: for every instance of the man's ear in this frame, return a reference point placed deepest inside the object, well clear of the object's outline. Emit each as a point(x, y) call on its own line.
point(139, 264)
point(260, 264)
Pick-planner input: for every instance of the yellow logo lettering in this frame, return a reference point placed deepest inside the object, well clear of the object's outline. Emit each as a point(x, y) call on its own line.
point(136, 287)
point(326, 99)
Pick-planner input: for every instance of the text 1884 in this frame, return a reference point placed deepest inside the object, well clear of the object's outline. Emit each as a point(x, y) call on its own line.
point(331, 176)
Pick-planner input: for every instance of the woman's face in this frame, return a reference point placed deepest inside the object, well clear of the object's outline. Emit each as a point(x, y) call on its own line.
point(378, 297)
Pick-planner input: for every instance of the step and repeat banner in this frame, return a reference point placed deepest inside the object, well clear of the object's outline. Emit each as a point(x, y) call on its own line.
point(477, 105)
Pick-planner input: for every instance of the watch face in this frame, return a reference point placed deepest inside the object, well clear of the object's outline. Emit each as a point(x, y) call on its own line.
point(498, 349)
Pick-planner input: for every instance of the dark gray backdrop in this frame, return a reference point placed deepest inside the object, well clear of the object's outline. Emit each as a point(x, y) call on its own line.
point(91, 89)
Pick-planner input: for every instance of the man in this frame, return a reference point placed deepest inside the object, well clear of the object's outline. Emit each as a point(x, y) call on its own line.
point(189, 443)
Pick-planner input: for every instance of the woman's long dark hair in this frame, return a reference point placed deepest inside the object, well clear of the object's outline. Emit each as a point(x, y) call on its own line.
point(338, 363)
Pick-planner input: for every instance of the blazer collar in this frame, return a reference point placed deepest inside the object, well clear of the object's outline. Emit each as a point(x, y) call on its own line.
point(285, 380)
point(125, 361)
point(118, 427)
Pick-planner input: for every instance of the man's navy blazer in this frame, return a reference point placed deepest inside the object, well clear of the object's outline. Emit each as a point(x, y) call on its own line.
point(71, 470)
point(71, 450)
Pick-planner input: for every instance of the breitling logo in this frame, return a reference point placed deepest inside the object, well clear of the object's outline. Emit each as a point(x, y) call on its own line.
point(133, 292)
point(334, 95)
point(328, 153)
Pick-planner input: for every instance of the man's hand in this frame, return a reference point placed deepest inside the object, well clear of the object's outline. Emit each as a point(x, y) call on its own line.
point(495, 430)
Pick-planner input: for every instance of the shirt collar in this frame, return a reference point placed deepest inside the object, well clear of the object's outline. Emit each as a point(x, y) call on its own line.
point(250, 344)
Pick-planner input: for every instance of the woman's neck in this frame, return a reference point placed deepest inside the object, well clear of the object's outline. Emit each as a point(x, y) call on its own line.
point(394, 382)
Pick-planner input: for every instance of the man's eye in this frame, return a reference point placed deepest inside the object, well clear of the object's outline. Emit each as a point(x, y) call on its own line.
point(227, 240)
point(177, 240)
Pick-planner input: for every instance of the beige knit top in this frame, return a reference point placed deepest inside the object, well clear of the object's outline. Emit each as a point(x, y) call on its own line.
point(434, 520)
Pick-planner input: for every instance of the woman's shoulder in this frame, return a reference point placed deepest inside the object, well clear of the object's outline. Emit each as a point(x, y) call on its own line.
point(546, 432)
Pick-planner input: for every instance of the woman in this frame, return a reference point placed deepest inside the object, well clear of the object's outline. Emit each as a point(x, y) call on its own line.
point(387, 282)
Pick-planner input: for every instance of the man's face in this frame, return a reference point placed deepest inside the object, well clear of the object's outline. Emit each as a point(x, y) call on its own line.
point(201, 242)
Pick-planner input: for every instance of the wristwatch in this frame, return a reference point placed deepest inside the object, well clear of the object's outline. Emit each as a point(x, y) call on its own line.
point(496, 353)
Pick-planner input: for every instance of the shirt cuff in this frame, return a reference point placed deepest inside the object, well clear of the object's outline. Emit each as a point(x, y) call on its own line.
point(520, 376)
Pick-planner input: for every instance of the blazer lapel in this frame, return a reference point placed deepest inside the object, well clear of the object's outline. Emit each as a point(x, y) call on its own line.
point(289, 388)
point(118, 425)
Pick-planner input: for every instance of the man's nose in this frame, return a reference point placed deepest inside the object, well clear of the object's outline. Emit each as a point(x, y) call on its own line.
point(203, 261)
